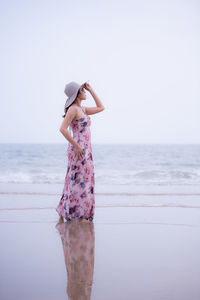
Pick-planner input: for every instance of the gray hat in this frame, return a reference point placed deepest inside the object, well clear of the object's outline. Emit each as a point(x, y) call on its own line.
point(71, 90)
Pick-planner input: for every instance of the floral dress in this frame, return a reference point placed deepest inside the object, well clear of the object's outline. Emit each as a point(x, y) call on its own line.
point(78, 199)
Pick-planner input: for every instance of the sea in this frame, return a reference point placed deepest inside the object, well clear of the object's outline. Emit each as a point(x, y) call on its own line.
point(114, 164)
point(128, 175)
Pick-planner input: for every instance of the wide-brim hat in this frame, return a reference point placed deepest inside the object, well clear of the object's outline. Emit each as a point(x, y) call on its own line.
point(71, 90)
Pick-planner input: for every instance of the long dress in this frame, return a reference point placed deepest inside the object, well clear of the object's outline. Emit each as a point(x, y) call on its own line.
point(78, 199)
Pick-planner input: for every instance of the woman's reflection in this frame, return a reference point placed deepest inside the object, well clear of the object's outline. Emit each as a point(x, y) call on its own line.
point(78, 246)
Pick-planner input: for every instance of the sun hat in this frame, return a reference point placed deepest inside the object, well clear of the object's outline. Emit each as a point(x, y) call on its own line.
point(71, 90)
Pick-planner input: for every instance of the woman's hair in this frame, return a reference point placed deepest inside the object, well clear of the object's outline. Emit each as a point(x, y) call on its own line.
point(66, 109)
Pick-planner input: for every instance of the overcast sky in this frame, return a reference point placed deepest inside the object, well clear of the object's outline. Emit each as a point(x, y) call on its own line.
point(141, 57)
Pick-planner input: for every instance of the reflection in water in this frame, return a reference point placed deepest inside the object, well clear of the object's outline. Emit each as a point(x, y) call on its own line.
point(78, 246)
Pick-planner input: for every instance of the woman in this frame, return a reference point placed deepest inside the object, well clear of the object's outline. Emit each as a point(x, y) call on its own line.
point(78, 201)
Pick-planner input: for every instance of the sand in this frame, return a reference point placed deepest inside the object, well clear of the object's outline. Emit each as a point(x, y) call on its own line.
point(130, 251)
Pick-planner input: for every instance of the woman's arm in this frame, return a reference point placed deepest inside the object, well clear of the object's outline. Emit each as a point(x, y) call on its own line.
point(99, 105)
point(71, 113)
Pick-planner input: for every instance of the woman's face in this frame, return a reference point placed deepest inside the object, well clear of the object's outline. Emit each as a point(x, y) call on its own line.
point(81, 94)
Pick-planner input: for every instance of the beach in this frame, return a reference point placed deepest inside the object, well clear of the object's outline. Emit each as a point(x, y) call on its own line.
point(142, 245)
point(100, 120)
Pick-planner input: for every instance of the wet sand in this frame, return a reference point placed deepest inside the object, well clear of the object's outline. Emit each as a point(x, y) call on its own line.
point(128, 252)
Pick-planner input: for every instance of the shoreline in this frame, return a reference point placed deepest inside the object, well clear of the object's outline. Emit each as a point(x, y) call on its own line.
point(107, 190)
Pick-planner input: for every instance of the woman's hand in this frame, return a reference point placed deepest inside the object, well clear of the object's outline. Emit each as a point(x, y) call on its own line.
point(87, 86)
point(78, 151)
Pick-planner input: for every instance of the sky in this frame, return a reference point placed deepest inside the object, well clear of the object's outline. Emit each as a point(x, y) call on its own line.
point(141, 57)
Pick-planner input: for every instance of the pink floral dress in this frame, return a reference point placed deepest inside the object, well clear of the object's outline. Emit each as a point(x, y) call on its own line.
point(78, 199)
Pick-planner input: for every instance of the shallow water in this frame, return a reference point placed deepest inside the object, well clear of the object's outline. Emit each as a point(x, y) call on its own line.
point(142, 253)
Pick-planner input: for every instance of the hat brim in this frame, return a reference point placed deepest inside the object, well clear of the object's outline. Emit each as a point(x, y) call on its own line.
point(72, 98)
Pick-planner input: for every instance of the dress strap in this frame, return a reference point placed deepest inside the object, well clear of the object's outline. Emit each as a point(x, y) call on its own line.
point(82, 109)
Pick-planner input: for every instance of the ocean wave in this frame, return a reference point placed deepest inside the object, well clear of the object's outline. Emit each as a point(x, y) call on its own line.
point(111, 177)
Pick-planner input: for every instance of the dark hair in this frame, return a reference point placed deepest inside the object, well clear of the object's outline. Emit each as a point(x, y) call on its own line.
point(66, 109)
